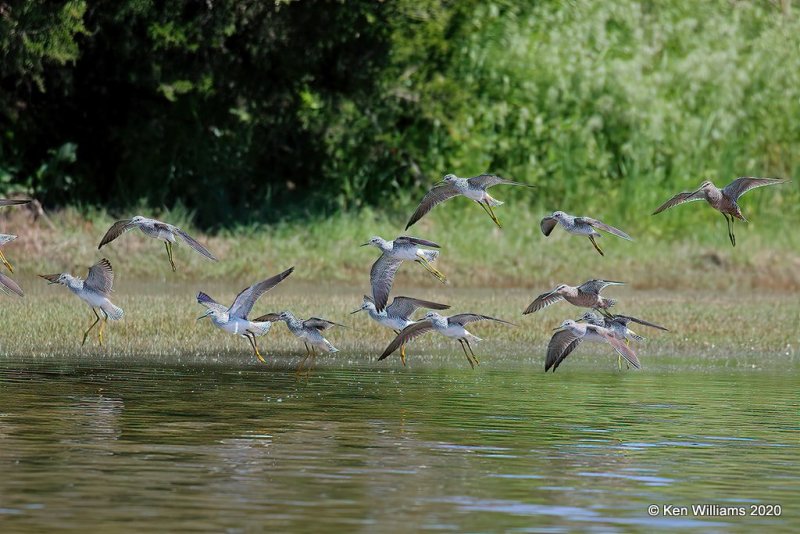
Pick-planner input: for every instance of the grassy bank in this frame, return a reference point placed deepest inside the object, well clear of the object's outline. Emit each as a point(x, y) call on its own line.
point(474, 252)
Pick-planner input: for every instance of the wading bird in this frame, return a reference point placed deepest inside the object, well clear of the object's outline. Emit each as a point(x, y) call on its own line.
point(586, 295)
point(452, 327)
point(619, 325)
point(397, 315)
point(157, 230)
point(580, 226)
point(723, 200)
point(95, 291)
point(473, 188)
point(570, 334)
point(310, 332)
point(6, 238)
point(234, 319)
point(404, 248)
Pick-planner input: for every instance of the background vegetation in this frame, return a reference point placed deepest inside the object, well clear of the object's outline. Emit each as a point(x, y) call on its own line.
point(249, 112)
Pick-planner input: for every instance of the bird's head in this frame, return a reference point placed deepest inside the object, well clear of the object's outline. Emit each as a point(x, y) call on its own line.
point(60, 278)
point(560, 289)
point(705, 185)
point(137, 219)
point(559, 215)
point(366, 304)
point(285, 316)
point(375, 241)
point(587, 317)
point(566, 325)
point(432, 315)
point(449, 178)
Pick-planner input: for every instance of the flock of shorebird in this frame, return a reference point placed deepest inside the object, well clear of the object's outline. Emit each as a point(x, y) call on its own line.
point(605, 328)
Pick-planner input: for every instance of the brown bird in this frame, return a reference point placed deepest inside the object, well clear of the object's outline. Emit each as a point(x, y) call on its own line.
point(723, 200)
point(586, 295)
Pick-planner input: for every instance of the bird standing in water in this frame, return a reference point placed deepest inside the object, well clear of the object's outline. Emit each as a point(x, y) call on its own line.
point(234, 319)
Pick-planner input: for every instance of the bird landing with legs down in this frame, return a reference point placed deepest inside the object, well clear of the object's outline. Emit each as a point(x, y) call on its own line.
point(725, 200)
point(473, 188)
point(168, 233)
point(95, 291)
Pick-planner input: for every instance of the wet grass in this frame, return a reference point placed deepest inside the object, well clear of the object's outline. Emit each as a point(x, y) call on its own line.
point(160, 328)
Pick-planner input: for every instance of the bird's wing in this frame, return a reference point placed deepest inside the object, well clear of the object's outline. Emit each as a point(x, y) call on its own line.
point(643, 322)
point(271, 317)
point(320, 324)
point(465, 318)
point(116, 230)
point(405, 306)
point(435, 196)
point(407, 334)
point(381, 278)
point(622, 349)
point(542, 301)
point(210, 303)
point(416, 241)
point(560, 346)
point(488, 180)
point(100, 277)
point(7, 284)
point(12, 202)
point(600, 225)
point(245, 300)
point(189, 240)
point(742, 185)
point(596, 286)
point(6, 238)
point(681, 198)
point(547, 225)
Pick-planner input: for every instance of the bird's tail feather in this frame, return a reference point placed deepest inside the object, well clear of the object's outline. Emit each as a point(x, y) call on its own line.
point(493, 202)
point(114, 313)
point(431, 255)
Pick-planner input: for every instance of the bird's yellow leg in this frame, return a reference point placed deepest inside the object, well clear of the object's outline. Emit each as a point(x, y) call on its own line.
point(97, 320)
point(252, 339)
point(102, 326)
point(597, 248)
point(6, 262)
point(466, 353)
point(168, 245)
point(490, 211)
point(403, 354)
point(431, 269)
point(303, 361)
point(472, 352)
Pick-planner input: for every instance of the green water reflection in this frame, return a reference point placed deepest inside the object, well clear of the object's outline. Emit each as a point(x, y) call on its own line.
point(374, 449)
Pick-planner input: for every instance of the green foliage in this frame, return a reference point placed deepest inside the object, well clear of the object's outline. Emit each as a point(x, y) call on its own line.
point(259, 111)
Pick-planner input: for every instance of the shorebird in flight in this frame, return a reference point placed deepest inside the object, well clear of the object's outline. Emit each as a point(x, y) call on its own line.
point(404, 248)
point(234, 319)
point(723, 200)
point(570, 334)
point(452, 327)
point(95, 291)
point(397, 315)
point(619, 325)
point(167, 233)
point(473, 188)
point(586, 295)
point(580, 226)
point(310, 332)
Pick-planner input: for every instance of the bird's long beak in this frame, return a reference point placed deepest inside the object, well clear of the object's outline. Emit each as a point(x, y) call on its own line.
point(206, 314)
point(52, 278)
point(356, 311)
point(614, 283)
point(364, 244)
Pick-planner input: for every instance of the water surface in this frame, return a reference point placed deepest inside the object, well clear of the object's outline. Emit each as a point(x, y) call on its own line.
point(369, 449)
